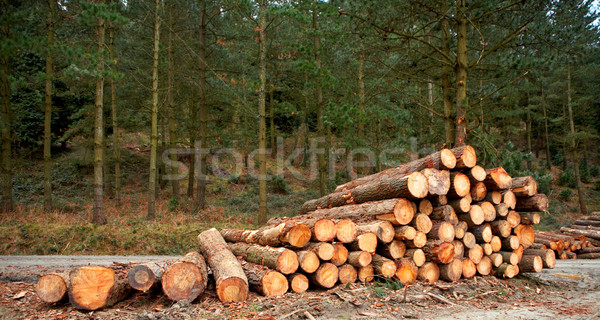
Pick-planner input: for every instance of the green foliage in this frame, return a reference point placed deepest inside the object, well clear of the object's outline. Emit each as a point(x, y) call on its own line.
point(278, 184)
point(584, 172)
point(380, 285)
point(566, 194)
point(544, 181)
point(594, 171)
point(567, 178)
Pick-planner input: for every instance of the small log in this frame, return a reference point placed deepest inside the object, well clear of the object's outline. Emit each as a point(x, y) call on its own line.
point(393, 250)
point(406, 270)
point(496, 243)
point(442, 230)
point(92, 288)
point(460, 205)
point(501, 228)
point(475, 216)
point(478, 191)
point(323, 250)
point(186, 278)
point(507, 270)
point(509, 257)
point(293, 233)
point(531, 264)
point(438, 181)
point(298, 282)
point(340, 254)
point(465, 157)
point(497, 179)
point(513, 218)
point(263, 280)
point(590, 250)
point(418, 242)
point(475, 253)
point(487, 249)
point(345, 230)
point(482, 233)
point(588, 233)
point(359, 258)
point(460, 229)
point(519, 252)
point(460, 185)
point(459, 249)
point(309, 260)
point(476, 174)
point(384, 230)
point(451, 271)
point(405, 233)
point(571, 255)
point(347, 274)
point(530, 218)
point(429, 273)
point(489, 211)
point(553, 245)
point(484, 267)
point(592, 228)
point(422, 223)
point(231, 281)
point(425, 207)
point(469, 240)
point(383, 266)
point(417, 255)
point(366, 274)
point(326, 276)
point(538, 202)
point(590, 223)
point(53, 287)
point(594, 255)
point(501, 209)
point(509, 198)
point(497, 259)
point(439, 252)
point(144, 276)
point(525, 234)
point(445, 213)
point(469, 268)
point(523, 186)
point(364, 242)
point(280, 259)
point(494, 197)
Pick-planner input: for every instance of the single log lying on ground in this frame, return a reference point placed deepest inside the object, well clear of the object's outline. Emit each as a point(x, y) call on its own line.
point(406, 270)
point(231, 281)
point(347, 274)
point(451, 271)
point(531, 264)
point(538, 202)
point(186, 278)
point(429, 273)
point(294, 233)
point(359, 258)
point(298, 282)
point(280, 259)
point(469, 268)
point(52, 288)
point(144, 276)
point(92, 288)
point(384, 230)
point(524, 186)
point(309, 260)
point(326, 276)
point(383, 266)
point(417, 256)
point(497, 179)
point(265, 281)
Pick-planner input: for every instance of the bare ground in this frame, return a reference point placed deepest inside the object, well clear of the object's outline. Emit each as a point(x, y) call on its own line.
point(570, 291)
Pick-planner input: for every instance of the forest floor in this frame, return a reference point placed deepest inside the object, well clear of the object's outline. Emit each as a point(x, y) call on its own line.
point(570, 291)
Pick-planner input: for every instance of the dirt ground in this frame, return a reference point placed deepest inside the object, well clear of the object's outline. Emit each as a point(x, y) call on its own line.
point(570, 291)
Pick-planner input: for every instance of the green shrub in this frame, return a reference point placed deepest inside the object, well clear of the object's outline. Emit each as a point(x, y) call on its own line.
point(278, 184)
point(566, 194)
point(584, 172)
point(567, 179)
point(544, 181)
point(594, 171)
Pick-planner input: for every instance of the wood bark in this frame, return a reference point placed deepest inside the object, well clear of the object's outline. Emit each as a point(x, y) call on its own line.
point(405, 233)
point(152, 171)
point(280, 259)
point(53, 287)
point(588, 233)
point(507, 270)
point(509, 257)
point(501, 228)
point(523, 186)
point(92, 288)
point(445, 213)
point(262, 129)
point(145, 276)
point(538, 202)
point(263, 280)
point(293, 233)
point(186, 278)
point(429, 273)
point(230, 279)
point(493, 196)
point(497, 179)
point(482, 233)
point(48, 111)
point(530, 218)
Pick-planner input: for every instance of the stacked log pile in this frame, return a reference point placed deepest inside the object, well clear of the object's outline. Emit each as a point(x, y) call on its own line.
point(581, 240)
point(438, 217)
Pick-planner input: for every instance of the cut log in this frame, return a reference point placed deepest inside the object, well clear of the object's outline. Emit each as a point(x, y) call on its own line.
point(501, 209)
point(383, 266)
point(429, 273)
point(590, 250)
point(513, 218)
point(445, 213)
point(570, 255)
point(293, 233)
point(497, 179)
point(439, 252)
point(92, 288)
point(476, 174)
point(592, 228)
point(509, 257)
point(465, 157)
point(469, 268)
point(487, 249)
point(548, 243)
point(298, 282)
point(538, 202)
point(525, 234)
point(52, 288)
point(425, 207)
point(309, 260)
point(459, 249)
point(144, 276)
point(364, 242)
point(497, 259)
point(405, 233)
point(443, 160)
point(345, 230)
point(548, 256)
point(478, 191)
point(418, 242)
point(366, 274)
point(359, 258)
point(493, 196)
point(384, 230)
point(475, 216)
point(531, 264)
point(393, 250)
point(594, 255)
point(439, 201)
point(489, 211)
point(588, 233)
point(231, 281)
point(323, 250)
point(347, 274)
point(507, 270)
point(530, 218)
point(475, 253)
point(340, 254)
point(484, 267)
point(417, 255)
point(461, 205)
point(323, 230)
point(510, 243)
point(509, 198)
point(438, 181)
point(496, 243)
point(469, 240)
point(326, 276)
point(460, 229)
point(451, 271)
point(460, 186)
point(524, 187)
point(406, 271)
point(501, 228)
point(482, 233)
point(441, 230)
point(264, 280)
point(422, 223)
point(186, 278)
point(590, 223)
point(280, 259)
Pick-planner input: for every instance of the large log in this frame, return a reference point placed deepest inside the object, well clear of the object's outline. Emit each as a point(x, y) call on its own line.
point(509, 257)
point(429, 273)
point(469, 268)
point(322, 229)
point(326, 276)
point(548, 256)
point(592, 228)
point(497, 179)
point(309, 260)
point(359, 258)
point(443, 159)
point(588, 233)
point(366, 273)
point(324, 250)
point(384, 230)
point(465, 157)
point(451, 271)
point(280, 259)
point(340, 254)
point(298, 282)
point(590, 223)
point(422, 223)
point(484, 267)
point(594, 255)
point(441, 230)
point(383, 266)
point(531, 263)
point(393, 250)
point(263, 280)
point(524, 186)
point(53, 287)
point(293, 233)
point(525, 234)
point(92, 288)
point(364, 242)
point(417, 256)
point(438, 181)
point(345, 230)
point(406, 270)
point(144, 276)
point(347, 274)
point(186, 278)
point(230, 279)
point(460, 185)
point(413, 186)
point(445, 213)
point(538, 202)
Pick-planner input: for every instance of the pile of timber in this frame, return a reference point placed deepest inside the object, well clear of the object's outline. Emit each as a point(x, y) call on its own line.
point(581, 240)
point(441, 217)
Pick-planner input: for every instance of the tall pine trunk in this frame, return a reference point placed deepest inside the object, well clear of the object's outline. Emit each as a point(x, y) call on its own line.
point(154, 129)
point(262, 137)
point(546, 134)
point(582, 208)
point(5, 123)
point(449, 121)
point(528, 129)
point(98, 213)
point(48, 112)
point(203, 112)
point(461, 72)
point(171, 107)
point(319, 106)
point(362, 96)
point(113, 112)
point(272, 122)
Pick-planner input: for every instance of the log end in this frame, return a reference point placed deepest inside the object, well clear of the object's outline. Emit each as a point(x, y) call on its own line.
point(299, 235)
point(274, 284)
point(404, 211)
point(232, 289)
point(90, 287)
point(324, 230)
point(429, 273)
point(346, 230)
point(298, 283)
point(327, 275)
point(461, 184)
point(448, 159)
point(469, 269)
point(468, 159)
point(183, 280)
point(406, 270)
point(140, 278)
point(51, 288)
point(287, 262)
point(418, 185)
point(366, 273)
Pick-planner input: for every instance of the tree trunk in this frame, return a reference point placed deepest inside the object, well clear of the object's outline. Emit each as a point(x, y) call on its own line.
point(478, 191)
point(48, 112)
point(475, 216)
point(203, 113)
point(475, 253)
point(384, 230)
point(53, 288)
point(154, 129)
point(365, 242)
point(145, 276)
point(262, 160)
point(366, 274)
point(186, 278)
point(580, 192)
point(273, 134)
point(230, 279)
point(525, 234)
point(280, 259)
point(345, 230)
point(460, 186)
point(94, 288)
point(171, 108)
point(393, 250)
point(449, 113)
point(323, 188)
point(438, 181)
point(461, 72)
point(115, 123)
point(265, 281)
point(422, 223)
point(291, 233)
point(546, 134)
point(98, 211)
point(531, 263)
